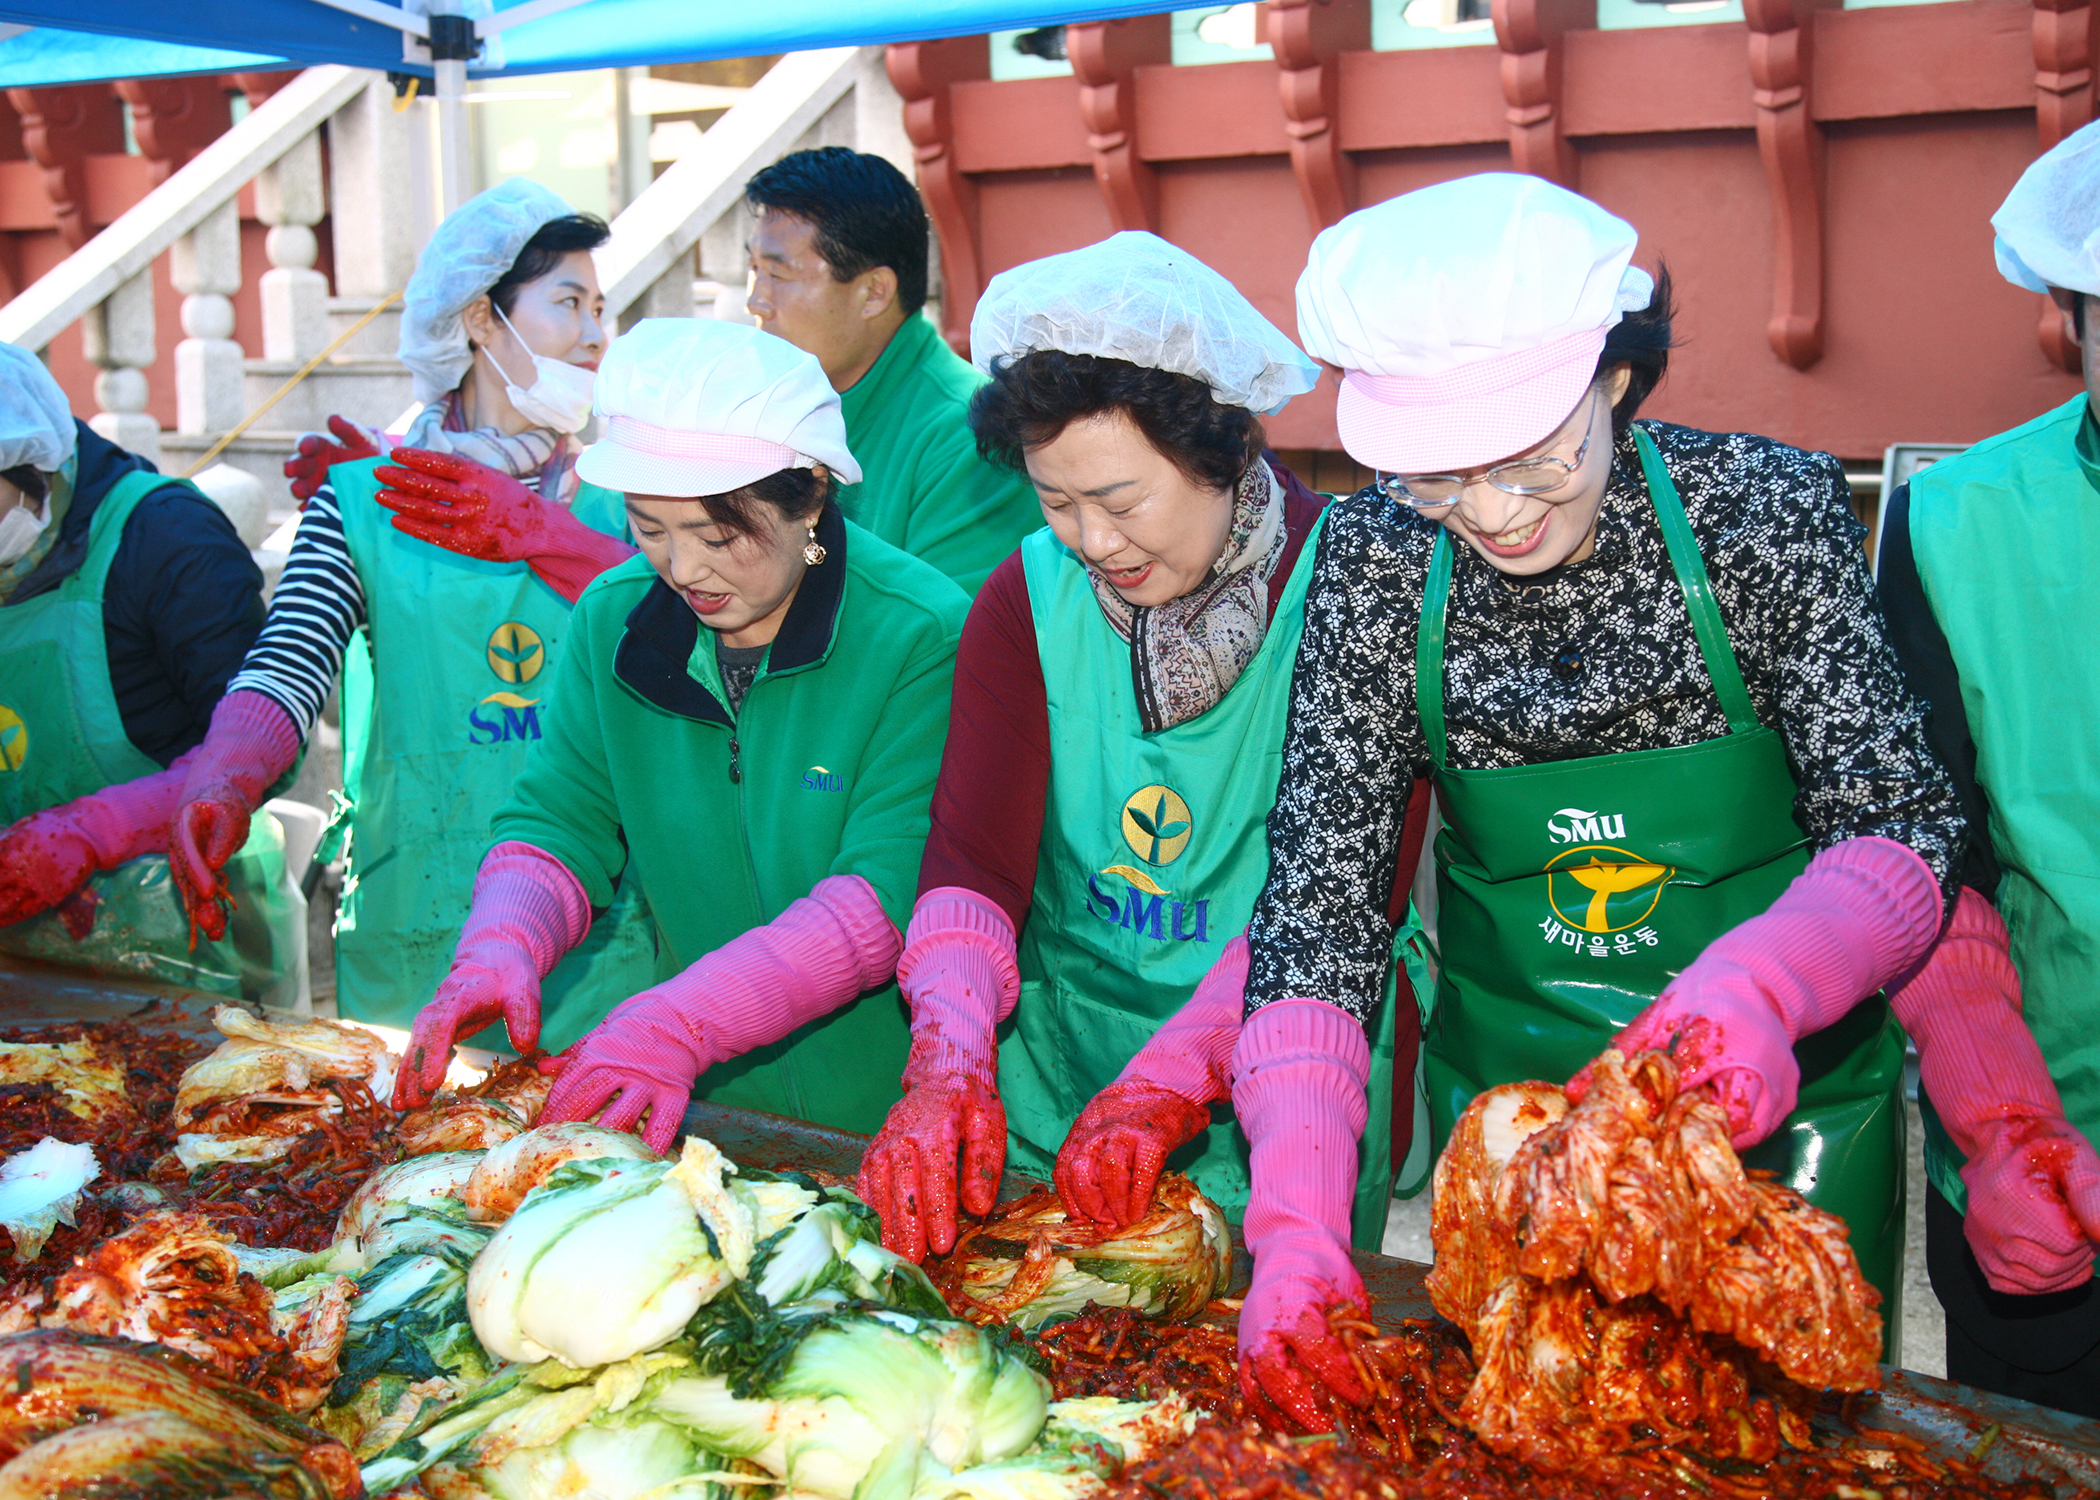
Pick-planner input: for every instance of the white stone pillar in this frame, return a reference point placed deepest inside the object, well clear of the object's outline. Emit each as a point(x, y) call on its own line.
point(119, 337)
point(289, 198)
point(205, 266)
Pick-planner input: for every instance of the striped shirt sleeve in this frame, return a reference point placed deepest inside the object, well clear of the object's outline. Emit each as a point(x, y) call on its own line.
point(318, 606)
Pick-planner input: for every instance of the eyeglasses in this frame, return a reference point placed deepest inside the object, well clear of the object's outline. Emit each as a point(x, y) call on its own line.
point(1520, 476)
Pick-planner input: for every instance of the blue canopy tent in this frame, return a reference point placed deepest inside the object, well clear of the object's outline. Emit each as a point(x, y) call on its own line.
point(80, 41)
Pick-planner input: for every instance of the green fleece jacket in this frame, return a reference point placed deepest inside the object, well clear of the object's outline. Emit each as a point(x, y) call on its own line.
point(925, 489)
point(826, 769)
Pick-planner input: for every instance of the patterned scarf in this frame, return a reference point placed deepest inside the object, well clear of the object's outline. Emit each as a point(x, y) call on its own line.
point(537, 453)
point(1186, 654)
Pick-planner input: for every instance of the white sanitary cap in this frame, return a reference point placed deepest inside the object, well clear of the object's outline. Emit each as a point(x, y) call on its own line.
point(2049, 224)
point(1467, 317)
point(469, 253)
point(694, 407)
point(1135, 297)
point(36, 423)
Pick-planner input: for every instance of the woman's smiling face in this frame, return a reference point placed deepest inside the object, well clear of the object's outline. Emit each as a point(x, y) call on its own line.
point(1152, 532)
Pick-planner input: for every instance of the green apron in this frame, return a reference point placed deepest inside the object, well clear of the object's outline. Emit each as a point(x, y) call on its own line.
point(1154, 848)
point(2006, 602)
point(62, 737)
point(1570, 892)
point(442, 700)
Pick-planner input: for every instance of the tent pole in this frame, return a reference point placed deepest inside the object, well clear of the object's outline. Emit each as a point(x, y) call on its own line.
point(455, 168)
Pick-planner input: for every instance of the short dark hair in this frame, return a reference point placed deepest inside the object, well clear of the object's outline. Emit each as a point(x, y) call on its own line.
point(27, 479)
point(543, 252)
point(866, 214)
point(1640, 341)
point(795, 493)
point(1030, 400)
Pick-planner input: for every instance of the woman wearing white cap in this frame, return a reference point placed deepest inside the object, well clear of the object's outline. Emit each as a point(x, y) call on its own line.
point(751, 717)
point(441, 620)
point(1986, 568)
point(1688, 797)
point(1119, 712)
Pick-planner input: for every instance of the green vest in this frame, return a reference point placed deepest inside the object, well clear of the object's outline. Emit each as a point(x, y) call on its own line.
point(2007, 542)
point(443, 695)
point(1569, 893)
point(62, 737)
point(1154, 848)
point(926, 490)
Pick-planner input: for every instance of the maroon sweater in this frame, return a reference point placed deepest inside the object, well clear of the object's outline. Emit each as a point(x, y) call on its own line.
point(995, 773)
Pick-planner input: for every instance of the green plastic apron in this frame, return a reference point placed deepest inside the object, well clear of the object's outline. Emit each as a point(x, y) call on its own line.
point(62, 737)
point(1569, 893)
point(443, 697)
point(1154, 848)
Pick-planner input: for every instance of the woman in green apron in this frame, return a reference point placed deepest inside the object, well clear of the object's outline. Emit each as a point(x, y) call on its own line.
point(1120, 696)
point(441, 622)
point(126, 602)
point(749, 718)
point(1687, 796)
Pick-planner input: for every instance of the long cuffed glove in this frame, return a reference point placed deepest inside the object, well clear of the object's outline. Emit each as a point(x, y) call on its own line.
point(959, 975)
point(471, 509)
point(47, 858)
point(529, 909)
point(1862, 913)
point(2033, 1179)
point(252, 741)
point(1110, 1162)
point(1298, 1079)
point(645, 1057)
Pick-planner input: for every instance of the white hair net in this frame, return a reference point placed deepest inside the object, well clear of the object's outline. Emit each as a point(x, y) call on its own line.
point(2049, 225)
point(36, 424)
point(472, 248)
point(1135, 297)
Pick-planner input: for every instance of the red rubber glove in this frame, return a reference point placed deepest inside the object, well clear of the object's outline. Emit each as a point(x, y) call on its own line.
point(1862, 913)
point(2033, 1179)
point(528, 911)
point(47, 857)
point(1298, 1088)
point(959, 976)
point(1109, 1165)
point(308, 467)
point(252, 741)
point(477, 511)
point(645, 1057)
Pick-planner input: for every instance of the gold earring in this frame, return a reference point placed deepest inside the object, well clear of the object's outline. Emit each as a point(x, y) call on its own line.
point(813, 552)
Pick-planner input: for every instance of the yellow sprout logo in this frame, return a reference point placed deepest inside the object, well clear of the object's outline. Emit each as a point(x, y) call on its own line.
point(1605, 889)
point(14, 739)
point(1156, 824)
point(516, 652)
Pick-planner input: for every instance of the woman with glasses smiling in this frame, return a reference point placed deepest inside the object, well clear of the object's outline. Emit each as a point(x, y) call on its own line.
point(1687, 796)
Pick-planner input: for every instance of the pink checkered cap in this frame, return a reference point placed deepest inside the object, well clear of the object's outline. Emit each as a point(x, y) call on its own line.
point(643, 459)
point(1470, 415)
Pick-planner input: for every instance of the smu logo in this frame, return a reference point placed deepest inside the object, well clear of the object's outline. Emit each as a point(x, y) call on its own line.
point(1143, 908)
point(1582, 827)
point(817, 779)
point(502, 717)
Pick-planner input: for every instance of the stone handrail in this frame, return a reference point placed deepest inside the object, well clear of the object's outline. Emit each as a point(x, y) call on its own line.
point(92, 274)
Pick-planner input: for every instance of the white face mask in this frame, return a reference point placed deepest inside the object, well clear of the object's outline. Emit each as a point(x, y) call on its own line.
point(560, 394)
point(19, 529)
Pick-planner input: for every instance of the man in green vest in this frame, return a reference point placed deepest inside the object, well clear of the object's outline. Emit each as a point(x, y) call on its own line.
point(1988, 563)
point(838, 269)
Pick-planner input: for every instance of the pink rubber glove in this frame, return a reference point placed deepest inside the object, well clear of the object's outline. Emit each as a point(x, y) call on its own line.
point(1862, 913)
point(644, 1058)
point(252, 741)
point(1109, 1165)
point(308, 467)
point(529, 910)
point(471, 509)
point(1298, 1077)
point(47, 857)
point(959, 975)
point(2033, 1180)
